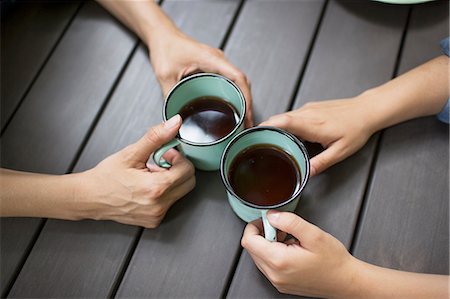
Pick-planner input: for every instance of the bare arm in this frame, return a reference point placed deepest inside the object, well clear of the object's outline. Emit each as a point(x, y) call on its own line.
point(145, 18)
point(378, 282)
point(422, 91)
point(317, 264)
point(122, 187)
point(343, 126)
point(173, 54)
point(38, 195)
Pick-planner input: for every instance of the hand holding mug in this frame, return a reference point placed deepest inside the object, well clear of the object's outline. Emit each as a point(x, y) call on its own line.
point(125, 189)
point(314, 264)
point(341, 126)
point(264, 168)
point(176, 56)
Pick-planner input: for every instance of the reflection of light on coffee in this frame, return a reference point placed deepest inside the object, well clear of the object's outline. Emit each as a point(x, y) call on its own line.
point(207, 119)
point(196, 129)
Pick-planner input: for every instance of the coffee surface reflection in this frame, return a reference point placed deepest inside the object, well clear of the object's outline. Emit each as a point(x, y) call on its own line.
point(207, 119)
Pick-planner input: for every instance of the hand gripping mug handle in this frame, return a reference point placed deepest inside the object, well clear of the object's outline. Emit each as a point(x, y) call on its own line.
point(270, 232)
point(157, 156)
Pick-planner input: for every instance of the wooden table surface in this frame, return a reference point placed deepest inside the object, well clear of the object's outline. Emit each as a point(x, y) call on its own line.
point(77, 86)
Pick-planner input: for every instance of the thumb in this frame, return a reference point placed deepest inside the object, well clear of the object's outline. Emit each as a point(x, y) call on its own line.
point(307, 233)
point(327, 158)
point(155, 137)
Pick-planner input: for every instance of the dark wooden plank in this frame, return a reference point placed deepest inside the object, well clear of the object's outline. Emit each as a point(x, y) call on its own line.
point(270, 51)
point(49, 127)
point(25, 26)
point(428, 26)
point(29, 32)
point(191, 254)
point(81, 275)
point(47, 130)
point(15, 238)
point(340, 66)
point(405, 223)
point(183, 257)
point(85, 259)
point(203, 264)
point(124, 120)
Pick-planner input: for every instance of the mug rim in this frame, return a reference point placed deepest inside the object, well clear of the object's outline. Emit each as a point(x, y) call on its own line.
point(227, 184)
point(194, 76)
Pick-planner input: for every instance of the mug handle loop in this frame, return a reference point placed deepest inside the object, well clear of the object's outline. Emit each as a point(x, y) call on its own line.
point(157, 156)
point(270, 232)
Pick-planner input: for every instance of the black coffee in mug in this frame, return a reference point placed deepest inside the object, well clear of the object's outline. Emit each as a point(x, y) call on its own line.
point(264, 174)
point(207, 119)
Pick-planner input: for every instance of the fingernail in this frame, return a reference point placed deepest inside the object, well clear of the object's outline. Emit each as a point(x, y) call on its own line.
point(273, 215)
point(172, 122)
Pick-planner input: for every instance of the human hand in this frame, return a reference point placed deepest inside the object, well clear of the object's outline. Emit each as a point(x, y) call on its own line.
point(316, 264)
point(341, 126)
point(175, 55)
point(125, 189)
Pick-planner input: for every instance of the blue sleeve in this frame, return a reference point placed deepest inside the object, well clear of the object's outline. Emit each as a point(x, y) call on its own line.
point(444, 46)
point(444, 114)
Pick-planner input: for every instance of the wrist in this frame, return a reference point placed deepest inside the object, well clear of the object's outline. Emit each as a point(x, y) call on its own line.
point(72, 195)
point(351, 285)
point(368, 281)
point(162, 37)
point(377, 112)
point(85, 194)
point(157, 29)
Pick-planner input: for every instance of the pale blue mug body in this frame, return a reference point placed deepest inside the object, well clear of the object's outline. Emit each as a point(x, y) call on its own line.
point(204, 156)
point(264, 135)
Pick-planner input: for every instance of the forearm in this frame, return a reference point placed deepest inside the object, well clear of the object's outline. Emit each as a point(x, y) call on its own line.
point(377, 282)
point(144, 17)
point(420, 92)
point(37, 195)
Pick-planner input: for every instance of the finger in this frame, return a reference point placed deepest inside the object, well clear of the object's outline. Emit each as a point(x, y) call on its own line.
point(245, 88)
point(221, 66)
point(295, 124)
point(155, 168)
point(281, 236)
point(259, 225)
point(307, 233)
point(168, 156)
point(254, 243)
point(332, 155)
point(154, 138)
point(181, 168)
point(172, 155)
point(261, 265)
point(181, 190)
point(241, 80)
point(167, 84)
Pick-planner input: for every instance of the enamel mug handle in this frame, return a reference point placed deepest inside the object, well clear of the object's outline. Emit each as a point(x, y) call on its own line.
point(157, 156)
point(270, 232)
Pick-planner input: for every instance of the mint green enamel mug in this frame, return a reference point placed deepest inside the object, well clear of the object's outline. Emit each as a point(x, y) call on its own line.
point(404, 1)
point(204, 156)
point(248, 211)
